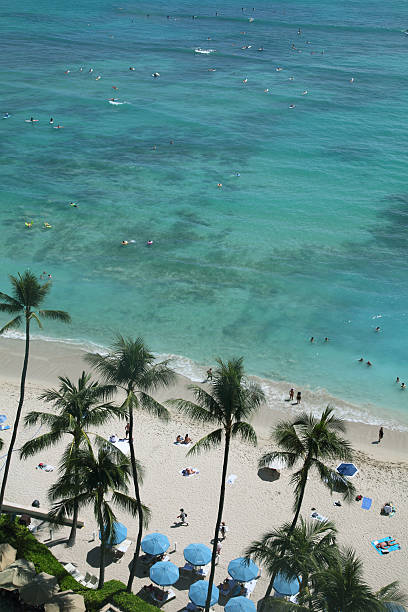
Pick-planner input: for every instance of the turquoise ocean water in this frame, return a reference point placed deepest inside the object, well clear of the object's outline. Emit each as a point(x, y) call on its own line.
point(309, 240)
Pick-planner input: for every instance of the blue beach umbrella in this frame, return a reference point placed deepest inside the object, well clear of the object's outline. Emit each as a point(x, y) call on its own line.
point(285, 586)
point(347, 469)
point(164, 573)
point(155, 544)
point(198, 593)
point(197, 554)
point(120, 533)
point(242, 570)
point(240, 604)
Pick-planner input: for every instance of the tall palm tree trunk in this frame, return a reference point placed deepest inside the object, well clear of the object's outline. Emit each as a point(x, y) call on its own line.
point(219, 519)
point(72, 535)
point(292, 527)
point(18, 413)
point(133, 566)
point(103, 544)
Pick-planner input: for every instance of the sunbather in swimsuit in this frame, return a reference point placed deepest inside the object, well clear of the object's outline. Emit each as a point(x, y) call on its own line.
point(386, 544)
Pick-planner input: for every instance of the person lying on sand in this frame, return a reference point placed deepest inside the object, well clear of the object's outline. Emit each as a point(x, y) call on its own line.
point(386, 544)
point(188, 471)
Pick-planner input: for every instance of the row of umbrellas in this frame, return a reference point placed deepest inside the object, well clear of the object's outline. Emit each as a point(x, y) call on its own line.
point(35, 589)
point(165, 573)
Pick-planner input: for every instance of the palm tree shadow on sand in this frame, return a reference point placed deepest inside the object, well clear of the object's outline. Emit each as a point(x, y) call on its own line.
point(94, 557)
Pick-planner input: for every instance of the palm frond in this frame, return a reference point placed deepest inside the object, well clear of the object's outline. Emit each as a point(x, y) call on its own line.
point(130, 505)
point(55, 315)
point(245, 431)
point(159, 375)
point(41, 443)
point(10, 300)
point(392, 594)
point(288, 458)
point(194, 411)
point(152, 406)
point(16, 322)
point(10, 308)
point(335, 481)
point(206, 443)
point(34, 316)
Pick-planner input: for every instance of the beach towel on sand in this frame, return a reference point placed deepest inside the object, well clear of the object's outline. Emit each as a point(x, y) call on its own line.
point(231, 479)
point(366, 503)
point(388, 549)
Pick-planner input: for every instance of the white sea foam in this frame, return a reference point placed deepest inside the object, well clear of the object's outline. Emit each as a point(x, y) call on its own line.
point(313, 400)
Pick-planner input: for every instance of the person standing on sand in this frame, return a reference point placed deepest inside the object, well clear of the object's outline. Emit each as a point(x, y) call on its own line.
point(298, 397)
point(380, 434)
point(209, 374)
point(291, 394)
point(127, 429)
point(182, 516)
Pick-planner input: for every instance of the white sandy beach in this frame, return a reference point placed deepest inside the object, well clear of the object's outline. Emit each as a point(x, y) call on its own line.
point(252, 506)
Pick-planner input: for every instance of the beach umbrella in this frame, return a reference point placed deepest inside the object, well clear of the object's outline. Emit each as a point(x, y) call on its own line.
point(67, 601)
point(17, 574)
point(40, 589)
point(198, 593)
point(197, 554)
point(240, 604)
point(7, 555)
point(285, 586)
point(155, 544)
point(242, 570)
point(164, 573)
point(120, 533)
point(347, 469)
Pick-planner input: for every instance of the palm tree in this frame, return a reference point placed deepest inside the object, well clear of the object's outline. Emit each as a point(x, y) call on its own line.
point(131, 366)
point(78, 409)
point(340, 586)
point(27, 295)
point(231, 401)
point(307, 548)
point(311, 441)
point(103, 475)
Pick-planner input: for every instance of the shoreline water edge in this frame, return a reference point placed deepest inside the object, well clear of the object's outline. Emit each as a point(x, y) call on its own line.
point(50, 358)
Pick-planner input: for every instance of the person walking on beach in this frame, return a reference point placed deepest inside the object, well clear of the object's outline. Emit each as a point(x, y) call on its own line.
point(127, 429)
point(380, 434)
point(298, 397)
point(209, 374)
point(182, 516)
point(223, 530)
point(291, 394)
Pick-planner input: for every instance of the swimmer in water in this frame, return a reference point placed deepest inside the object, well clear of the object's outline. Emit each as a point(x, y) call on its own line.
point(377, 329)
point(245, 80)
point(131, 68)
point(6, 115)
point(361, 359)
point(278, 69)
point(266, 90)
point(58, 127)
point(29, 224)
point(219, 185)
point(305, 92)
point(115, 88)
point(73, 205)
point(51, 120)
point(352, 80)
point(260, 49)
point(149, 243)
point(156, 74)
point(237, 174)
point(403, 386)
point(124, 242)
point(299, 32)
point(369, 363)
point(90, 70)
point(98, 77)
point(47, 226)
point(292, 106)
point(291, 78)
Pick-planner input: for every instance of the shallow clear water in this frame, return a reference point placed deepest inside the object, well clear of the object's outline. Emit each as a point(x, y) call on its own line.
point(311, 238)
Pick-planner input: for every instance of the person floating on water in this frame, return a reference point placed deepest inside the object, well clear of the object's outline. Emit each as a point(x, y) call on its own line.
point(47, 225)
point(51, 120)
point(73, 205)
point(29, 224)
point(149, 243)
point(6, 115)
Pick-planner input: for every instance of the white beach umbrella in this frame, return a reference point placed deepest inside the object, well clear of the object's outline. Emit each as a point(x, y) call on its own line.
point(277, 464)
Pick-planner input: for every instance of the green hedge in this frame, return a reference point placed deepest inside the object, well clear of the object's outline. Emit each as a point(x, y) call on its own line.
point(29, 548)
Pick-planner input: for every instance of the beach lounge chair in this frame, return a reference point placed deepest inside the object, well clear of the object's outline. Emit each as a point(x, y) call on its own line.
point(249, 587)
point(201, 571)
point(87, 578)
point(4, 427)
point(120, 549)
point(93, 582)
point(161, 597)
